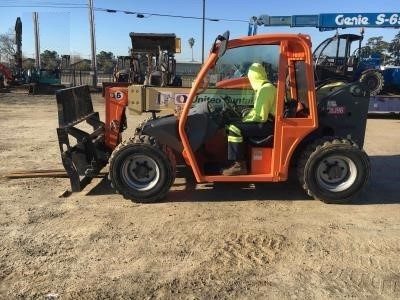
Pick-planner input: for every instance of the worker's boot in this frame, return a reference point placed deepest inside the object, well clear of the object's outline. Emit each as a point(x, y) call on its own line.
point(238, 168)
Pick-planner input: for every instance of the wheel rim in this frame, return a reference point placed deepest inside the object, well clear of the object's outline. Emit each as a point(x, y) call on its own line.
point(140, 172)
point(336, 173)
point(372, 82)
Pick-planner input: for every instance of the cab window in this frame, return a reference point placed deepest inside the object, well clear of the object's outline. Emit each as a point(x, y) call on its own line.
point(236, 62)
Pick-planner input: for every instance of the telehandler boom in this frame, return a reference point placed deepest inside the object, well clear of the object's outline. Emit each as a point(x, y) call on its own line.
point(342, 57)
point(318, 131)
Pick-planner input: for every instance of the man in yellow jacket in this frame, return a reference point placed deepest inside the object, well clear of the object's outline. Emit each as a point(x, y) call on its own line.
point(255, 123)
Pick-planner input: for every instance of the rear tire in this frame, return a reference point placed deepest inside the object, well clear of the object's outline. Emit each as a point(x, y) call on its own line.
point(373, 80)
point(333, 170)
point(141, 170)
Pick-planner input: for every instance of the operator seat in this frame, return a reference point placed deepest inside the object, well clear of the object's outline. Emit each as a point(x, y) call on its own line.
point(266, 141)
point(291, 110)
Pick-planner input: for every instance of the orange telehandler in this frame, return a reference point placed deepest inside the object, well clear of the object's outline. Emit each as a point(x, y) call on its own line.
point(318, 131)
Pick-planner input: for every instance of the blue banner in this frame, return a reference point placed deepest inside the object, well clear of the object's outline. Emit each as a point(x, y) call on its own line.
point(359, 20)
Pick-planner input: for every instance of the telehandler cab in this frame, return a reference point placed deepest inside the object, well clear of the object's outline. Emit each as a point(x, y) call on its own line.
point(317, 130)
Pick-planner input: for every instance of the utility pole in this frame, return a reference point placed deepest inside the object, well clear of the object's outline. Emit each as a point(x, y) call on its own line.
point(202, 39)
point(18, 41)
point(93, 44)
point(37, 40)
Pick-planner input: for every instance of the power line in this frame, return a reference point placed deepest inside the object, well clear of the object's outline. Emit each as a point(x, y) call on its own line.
point(51, 4)
point(5, 3)
point(138, 14)
point(149, 14)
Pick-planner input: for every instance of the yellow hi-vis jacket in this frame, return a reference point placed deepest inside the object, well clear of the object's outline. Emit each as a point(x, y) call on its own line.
point(265, 95)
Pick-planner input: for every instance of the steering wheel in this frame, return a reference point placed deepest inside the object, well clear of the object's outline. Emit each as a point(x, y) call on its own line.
point(224, 113)
point(215, 113)
point(229, 112)
point(211, 108)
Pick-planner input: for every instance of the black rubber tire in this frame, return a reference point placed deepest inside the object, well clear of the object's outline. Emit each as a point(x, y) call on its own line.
point(141, 170)
point(374, 81)
point(333, 170)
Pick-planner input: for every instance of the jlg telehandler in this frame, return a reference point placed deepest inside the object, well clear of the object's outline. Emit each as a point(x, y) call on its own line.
point(318, 130)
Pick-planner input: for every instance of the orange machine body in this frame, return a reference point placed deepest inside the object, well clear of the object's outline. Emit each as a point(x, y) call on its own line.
point(272, 163)
point(116, 102)
point(266, 164)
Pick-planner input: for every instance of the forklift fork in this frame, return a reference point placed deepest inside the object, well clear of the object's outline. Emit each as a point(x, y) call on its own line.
point(89, 155)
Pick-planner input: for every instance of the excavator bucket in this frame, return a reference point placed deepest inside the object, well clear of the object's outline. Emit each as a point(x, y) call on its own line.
point(84, 159)
point(153, 42)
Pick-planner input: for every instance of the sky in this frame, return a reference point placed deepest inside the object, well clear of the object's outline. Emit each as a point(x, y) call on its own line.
point(64, 25)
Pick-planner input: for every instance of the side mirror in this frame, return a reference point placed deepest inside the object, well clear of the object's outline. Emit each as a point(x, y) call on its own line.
point(224, 43)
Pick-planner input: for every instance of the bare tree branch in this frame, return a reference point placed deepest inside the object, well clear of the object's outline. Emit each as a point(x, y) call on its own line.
point(7, 46)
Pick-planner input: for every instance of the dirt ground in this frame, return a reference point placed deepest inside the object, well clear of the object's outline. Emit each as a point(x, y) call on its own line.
point(237, 242)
